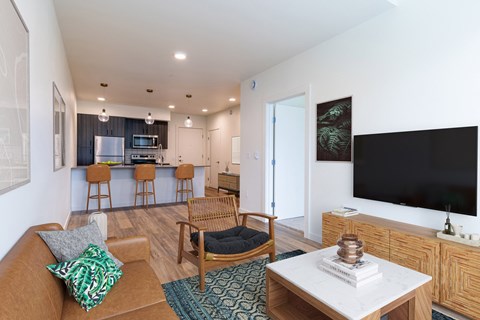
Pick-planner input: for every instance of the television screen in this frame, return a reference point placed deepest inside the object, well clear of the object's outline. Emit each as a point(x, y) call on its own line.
point(428, 169)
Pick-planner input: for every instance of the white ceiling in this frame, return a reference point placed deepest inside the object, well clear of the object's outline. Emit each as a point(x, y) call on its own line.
point(130, 44)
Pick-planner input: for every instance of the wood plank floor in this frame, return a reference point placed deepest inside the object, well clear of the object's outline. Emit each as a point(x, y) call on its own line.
point(158, 224)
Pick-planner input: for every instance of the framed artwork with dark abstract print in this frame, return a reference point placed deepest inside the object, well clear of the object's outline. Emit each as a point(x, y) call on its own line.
point(334, 130)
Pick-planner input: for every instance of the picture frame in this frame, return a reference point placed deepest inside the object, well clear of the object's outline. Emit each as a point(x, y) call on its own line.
point(15, 167)
point(334, 130)
point(58, 129)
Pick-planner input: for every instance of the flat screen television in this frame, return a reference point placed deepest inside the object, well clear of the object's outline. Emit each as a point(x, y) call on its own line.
point(427, 169)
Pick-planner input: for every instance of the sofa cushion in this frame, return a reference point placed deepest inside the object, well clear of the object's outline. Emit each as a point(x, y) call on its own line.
point(139, 287)
point(89, 277)
point(235, 240)
point(69, 244)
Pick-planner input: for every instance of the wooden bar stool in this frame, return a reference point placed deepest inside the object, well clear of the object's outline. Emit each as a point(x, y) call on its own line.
point(98, 174)
point(144, 173)
point(184, 174)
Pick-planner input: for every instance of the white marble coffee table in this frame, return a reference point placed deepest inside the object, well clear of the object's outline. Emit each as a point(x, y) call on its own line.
point(297, 289)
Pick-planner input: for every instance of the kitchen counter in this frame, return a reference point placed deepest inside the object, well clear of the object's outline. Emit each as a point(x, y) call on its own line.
point(122, 186)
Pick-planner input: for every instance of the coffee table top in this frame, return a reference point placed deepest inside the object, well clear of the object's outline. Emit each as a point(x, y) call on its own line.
point(351, 302)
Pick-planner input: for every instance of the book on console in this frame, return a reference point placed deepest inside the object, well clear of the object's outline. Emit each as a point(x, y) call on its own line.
point(344, 212)
point(358, 269)
point(350, 281)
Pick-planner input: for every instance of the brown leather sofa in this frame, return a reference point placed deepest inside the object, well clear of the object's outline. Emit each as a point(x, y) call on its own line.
point(29, 291)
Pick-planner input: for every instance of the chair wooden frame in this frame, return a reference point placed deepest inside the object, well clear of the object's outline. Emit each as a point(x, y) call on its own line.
point(218, 214)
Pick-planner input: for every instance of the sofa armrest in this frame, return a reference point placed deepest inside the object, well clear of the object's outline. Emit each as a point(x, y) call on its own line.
point(129, 249)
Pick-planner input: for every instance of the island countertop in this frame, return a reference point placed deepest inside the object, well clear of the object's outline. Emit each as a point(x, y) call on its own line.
point(122, 186)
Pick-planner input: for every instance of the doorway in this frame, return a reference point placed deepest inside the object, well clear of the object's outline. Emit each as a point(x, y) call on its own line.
point(286, 161)
point(190, 146)
point(214, 137)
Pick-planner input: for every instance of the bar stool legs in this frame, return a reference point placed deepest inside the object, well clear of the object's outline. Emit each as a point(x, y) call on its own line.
point(99, 196)
point(145, 193)
point(184, 188)
point(144, 173)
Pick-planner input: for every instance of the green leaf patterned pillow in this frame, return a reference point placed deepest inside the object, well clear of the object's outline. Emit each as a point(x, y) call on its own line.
point(89, 277)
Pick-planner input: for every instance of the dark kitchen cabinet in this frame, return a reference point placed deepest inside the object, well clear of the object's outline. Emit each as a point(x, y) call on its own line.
point(115, 126)
point(85, 130)
point(84, 156)
point(138, 126)
point(88, 126)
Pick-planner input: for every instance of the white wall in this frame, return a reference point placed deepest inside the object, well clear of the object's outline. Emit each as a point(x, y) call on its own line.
point(47, 197)
point(414, 67)
point(228, 122)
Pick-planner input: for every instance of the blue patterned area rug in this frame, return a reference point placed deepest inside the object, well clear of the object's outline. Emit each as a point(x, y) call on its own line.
point(236, 292)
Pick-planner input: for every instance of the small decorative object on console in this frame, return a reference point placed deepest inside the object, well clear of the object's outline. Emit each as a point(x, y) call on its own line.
point(351, 248)
point(448, 229)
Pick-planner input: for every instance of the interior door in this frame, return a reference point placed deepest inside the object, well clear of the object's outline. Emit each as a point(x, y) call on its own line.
point(190, 146)
point(289, 153)
point(215, 150)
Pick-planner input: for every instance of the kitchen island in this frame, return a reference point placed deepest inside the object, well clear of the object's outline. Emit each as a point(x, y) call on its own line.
point(122, 186)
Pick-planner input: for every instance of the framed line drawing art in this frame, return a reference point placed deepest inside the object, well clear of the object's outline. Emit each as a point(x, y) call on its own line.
point(58, 130)
point(334, 130)
point(14, 99)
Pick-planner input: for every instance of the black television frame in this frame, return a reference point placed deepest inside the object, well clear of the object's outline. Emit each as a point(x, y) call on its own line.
point(455, 187)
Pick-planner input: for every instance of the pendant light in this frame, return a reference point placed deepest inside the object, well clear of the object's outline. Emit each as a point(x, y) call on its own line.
point(149, 119)
point(103, 116)
point(188, 122)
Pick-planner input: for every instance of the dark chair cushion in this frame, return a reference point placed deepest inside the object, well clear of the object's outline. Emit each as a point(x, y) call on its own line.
point(235, 240)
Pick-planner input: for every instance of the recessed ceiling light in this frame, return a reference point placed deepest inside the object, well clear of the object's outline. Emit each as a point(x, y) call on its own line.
point(171, 106)
point(232, 99)
point(180, 55)
point(101, 99)
point(205, 110)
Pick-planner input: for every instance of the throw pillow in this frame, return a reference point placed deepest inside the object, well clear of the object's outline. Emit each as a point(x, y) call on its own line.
point(89, 277)
point(69, 244)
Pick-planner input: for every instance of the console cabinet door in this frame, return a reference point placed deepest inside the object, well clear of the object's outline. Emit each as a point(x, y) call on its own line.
point(376, 239)
point(417, 253)
point(332, 228)
point(460, 286)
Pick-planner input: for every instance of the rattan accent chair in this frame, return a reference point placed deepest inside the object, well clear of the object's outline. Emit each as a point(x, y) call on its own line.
point(211, 216)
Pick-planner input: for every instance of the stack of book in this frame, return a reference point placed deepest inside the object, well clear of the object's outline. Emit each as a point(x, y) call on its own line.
point(345, 212)
point(356, 275)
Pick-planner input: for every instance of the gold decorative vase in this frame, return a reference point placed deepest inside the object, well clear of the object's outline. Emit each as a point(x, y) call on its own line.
point(351, 248)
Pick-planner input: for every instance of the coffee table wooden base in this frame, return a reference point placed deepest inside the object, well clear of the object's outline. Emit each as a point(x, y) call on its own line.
point(286, 302)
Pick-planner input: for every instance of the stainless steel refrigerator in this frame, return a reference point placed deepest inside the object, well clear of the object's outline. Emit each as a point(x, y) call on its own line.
point(109, 150)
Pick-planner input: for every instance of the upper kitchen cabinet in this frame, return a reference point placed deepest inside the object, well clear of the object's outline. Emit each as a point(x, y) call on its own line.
point(138, 126)
point(115, 126)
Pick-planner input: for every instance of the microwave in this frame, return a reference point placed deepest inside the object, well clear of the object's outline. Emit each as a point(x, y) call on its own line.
point(142, 141)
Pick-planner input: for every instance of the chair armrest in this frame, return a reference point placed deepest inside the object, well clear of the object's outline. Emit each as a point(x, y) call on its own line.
point(186, 223)
point(130, 249)
point(257, 214)
point(271, 220)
